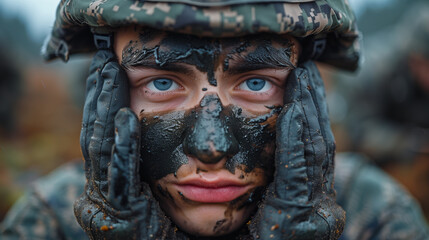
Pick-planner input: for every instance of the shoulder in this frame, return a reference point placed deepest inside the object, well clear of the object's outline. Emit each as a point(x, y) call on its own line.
point(46, 209)
point(377, 206)
point(65, 182)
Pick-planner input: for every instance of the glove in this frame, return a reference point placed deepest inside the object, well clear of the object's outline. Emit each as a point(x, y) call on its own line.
point(300, 202)
point(115, 204)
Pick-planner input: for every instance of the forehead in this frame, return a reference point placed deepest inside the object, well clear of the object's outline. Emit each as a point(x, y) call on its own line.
point(146, 38)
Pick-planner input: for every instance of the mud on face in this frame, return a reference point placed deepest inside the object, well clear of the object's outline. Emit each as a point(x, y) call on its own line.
point(240, 138)
point(207, 54)
point(208, 132)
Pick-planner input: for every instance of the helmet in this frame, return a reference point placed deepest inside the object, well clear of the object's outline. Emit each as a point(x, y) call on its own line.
point(327, 28)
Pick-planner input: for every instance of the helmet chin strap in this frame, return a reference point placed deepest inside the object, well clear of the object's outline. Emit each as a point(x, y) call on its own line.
point(313, 48)
point(103, 42)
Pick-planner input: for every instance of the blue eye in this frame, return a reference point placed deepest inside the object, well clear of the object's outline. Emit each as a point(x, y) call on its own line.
point(255, 85)
point(162, 84)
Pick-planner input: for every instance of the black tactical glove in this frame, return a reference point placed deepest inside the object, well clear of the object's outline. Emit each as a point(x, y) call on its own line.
point(300, 203)
point(115, 204)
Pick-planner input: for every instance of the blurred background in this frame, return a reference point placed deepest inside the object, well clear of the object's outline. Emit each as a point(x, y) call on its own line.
point(40, 103)
point(381, 111)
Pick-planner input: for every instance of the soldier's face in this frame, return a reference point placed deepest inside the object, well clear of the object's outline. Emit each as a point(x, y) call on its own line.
point(208, 109)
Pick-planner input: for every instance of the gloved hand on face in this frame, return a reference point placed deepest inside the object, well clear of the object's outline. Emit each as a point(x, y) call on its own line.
point(115, 204)
point(300, 202)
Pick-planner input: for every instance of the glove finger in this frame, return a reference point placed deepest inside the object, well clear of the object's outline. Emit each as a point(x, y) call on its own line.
point(124, 169)
point(318, 92)
point(299, 87)
point(317, 137)
point(291, 171)
point(93, 89)
point(113, 96)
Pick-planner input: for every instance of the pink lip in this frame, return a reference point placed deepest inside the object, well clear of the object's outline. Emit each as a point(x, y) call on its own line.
point(211, 192)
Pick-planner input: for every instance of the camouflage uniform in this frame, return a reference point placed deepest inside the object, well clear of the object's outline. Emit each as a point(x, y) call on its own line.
point(377, 207)
point(46, 211)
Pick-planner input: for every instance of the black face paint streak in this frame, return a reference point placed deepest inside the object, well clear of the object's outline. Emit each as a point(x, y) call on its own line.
point(254, 196)
point(203, 53)
point(210, 133)
point(162, 137)
point(163, 150)
point(241, 48)
point(235, 204)
point(263, 118)
point(132, 55)
point(204, 89)
point(209, 138)
point(264, 55)
point(267, 53)
point(165, 48)
point(218, 225)
point(164, 192)
point(256, 137)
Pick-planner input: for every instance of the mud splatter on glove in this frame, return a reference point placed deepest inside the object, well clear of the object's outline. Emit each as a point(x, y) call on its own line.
point(115, 204)
point(300, 203)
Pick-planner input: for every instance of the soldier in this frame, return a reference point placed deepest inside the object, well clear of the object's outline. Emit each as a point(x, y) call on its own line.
point(201, 120)
point(387, 117)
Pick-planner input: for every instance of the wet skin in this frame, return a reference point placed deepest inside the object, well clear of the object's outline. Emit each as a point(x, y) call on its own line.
point(208, 109)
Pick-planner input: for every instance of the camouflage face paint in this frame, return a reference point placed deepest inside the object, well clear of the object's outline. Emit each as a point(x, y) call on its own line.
point(159, 49)
point(173, 48)
point(265, 51)
point(209, 132)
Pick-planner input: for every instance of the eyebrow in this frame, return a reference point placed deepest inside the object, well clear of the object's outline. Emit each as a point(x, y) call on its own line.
point(264, 56)
point(169, 67)
point(244, 66)
point(247, 66)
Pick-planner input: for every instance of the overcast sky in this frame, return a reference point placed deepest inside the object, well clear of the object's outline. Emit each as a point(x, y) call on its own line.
point(39, 14)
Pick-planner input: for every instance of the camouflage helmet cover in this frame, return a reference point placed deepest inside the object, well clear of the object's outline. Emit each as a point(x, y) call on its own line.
point(330, 20)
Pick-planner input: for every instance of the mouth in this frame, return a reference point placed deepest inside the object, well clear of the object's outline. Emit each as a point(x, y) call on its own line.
point(219, 191)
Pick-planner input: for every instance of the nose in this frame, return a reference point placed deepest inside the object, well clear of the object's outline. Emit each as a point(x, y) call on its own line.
point(209, 138)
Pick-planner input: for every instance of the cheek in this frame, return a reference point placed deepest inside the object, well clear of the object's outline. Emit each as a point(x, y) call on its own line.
point(136, 102)
point(257, 102)
point(257, 148)
point(141, 99)
point(161, 145)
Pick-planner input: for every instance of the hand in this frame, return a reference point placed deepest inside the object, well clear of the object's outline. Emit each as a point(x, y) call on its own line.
point(300, 203)
point(115, 204)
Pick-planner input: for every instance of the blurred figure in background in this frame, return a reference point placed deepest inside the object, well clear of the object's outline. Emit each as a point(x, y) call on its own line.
point(386, 116)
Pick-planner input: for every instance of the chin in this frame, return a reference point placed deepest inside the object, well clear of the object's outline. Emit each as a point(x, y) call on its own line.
point(209, 220)
point(210, 204)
